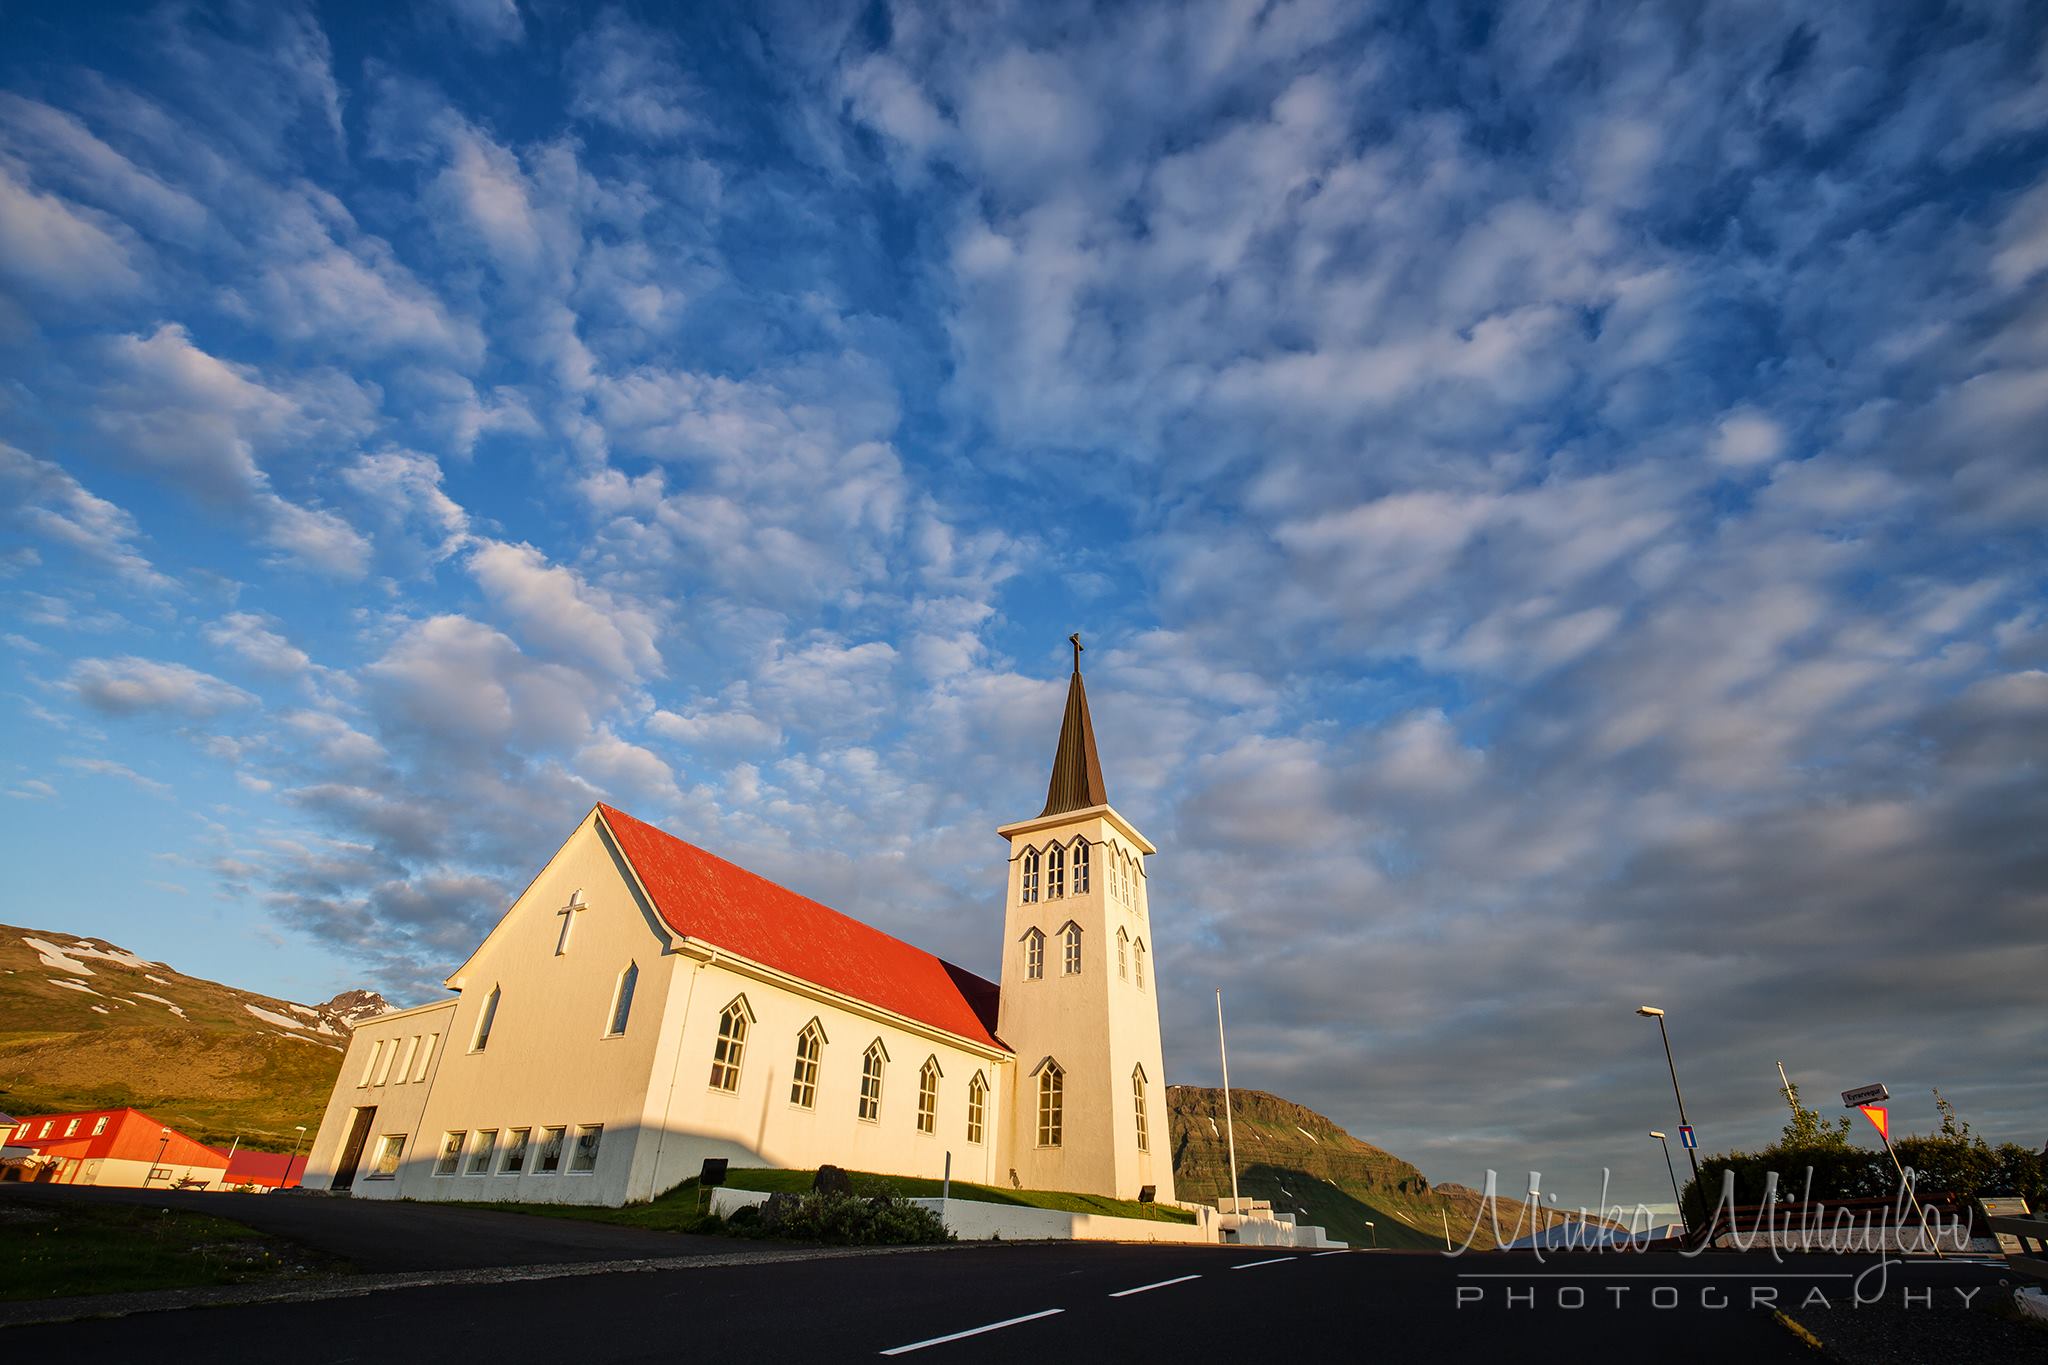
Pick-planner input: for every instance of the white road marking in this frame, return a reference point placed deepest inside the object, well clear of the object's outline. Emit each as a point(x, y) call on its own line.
point(970, 1332)
point(1340, 1251)
point(1161, 1284)
point(1249, 1264)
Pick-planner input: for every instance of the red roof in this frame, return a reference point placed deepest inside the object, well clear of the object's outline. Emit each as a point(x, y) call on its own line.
point(126, 1135)
point(262, 1168)
point(704, 897)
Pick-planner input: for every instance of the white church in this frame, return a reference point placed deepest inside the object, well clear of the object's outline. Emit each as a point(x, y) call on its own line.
point(644, 1005)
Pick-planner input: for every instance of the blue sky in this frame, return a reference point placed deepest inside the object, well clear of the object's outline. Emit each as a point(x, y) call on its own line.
point(1555, 501)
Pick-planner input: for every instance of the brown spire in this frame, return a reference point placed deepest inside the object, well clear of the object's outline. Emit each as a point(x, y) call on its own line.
point(1076, 771)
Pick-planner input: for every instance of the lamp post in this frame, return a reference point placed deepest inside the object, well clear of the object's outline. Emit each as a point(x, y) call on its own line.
point(1374, 1229)
point(1683, 1221)
point(1652, 1012)
point(161, 1148)
point(293, 1157)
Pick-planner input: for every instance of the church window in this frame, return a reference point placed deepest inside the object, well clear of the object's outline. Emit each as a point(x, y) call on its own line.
point(1080, 867)
point(1138, 1099)
point(1030, 875)
point(1123, 955)
point(583, 1156)
point(1138, 960)
point(1055, 872)
point(484, 1021)
point(451, 1153)
point(803, 1084)
point(404, 1067)
point(1052, 1103)
point(482, 1148)
point(928, 1096)
point(1034, 955)
point(370, 1067)
point(550, 1160)
point(622, 999)
point(977, 1107)
point(871, 1064)
point(515, 1151)
point(384, 1065)
point(731, 1046)
point(419, 1070)
point(390, 1148)
point(1070, 963)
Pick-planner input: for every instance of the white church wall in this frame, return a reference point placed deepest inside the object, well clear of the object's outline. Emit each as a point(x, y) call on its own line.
point(383, 1070)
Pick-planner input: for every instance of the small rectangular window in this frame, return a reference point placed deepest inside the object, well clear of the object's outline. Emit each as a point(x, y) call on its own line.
point(583, 1156)
point(622, 1000)
point(550, 1151)
point(48, 1124)
point(99, 1125)
point(515, 1151)
point(419, 1070)
point(70, 1127)
point(385, 1056)
point(487, 1017)
point(370, 1065)
point(405, 1056)
point(390, 1148)
point(21, 1133)
point(451, 1153)
point(482, 1148)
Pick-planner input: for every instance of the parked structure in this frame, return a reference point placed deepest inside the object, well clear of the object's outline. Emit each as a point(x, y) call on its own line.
point(645, 1005)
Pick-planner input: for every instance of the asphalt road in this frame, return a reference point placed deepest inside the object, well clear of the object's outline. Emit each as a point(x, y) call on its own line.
point(1043, 1302)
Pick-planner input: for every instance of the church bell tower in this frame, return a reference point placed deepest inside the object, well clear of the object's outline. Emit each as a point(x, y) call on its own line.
point(1079, 1003)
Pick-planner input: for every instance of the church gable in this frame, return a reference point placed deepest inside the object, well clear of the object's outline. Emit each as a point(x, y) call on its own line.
point(703, 897)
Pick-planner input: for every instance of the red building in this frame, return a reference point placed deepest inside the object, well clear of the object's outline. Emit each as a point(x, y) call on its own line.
point(112, 1147)
point(262, 1170)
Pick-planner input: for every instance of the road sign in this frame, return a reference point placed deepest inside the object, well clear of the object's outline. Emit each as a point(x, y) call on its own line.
point(1687, 1136)
point(1865, 1094)
point(1879, 1120)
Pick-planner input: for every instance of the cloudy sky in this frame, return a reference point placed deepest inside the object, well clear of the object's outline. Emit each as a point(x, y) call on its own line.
point(1555, 500)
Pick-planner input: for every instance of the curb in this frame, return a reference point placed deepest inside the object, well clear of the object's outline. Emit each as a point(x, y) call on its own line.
point(1792, 1325)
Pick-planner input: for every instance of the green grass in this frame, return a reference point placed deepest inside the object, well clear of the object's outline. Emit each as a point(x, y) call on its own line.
point(676, 1211)
point(50, 1251)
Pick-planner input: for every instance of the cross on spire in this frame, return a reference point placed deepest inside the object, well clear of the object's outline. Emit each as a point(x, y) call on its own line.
point(1076, 638)
point(1076, 771)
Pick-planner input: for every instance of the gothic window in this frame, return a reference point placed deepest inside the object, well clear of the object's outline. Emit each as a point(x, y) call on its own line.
point(977, 1107)
point(1070, 963)
point(1139, 962)
point(1034, 955)
point(1052, 1103)
point(1123, 955)
point(622, 999)
point(1138, 1099)
point(928, 1096)
point(485, 1020)
point(1030, 875)
point(731, 1046)
point(871, 1081)
point(1080, 867)
point(1055, 872)
point(803, 1078)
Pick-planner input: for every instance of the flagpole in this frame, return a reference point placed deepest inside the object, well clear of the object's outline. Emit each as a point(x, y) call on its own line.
point(1229, 1125)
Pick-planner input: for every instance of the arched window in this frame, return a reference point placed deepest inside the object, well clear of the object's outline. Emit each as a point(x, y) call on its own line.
point(871, 1064)
point(1138, 1099)
point(1123, 956)
point(803, 1077)
point(1030, 876)
point(731, 1047)
point(622, 999)
point(1080, 867)
point(928, 1096)
point(977, 1107)
point(1034, 955)
point(1055, 872)
point(1052, 1103)
point(1070, 963)
point(485, 1020)
point(1139, 960)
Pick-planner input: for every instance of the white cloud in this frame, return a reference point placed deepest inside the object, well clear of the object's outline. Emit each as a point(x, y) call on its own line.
point(129, 685)
point(570, 618)
point(626, 75)
point(106, 767)
point(1747, 438)
point(51, 503)
point(50, 245)
point(488, 23)
point(251, 637)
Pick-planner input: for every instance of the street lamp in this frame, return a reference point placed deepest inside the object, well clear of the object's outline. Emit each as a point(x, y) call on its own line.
point(1374, 1229)
point(1683, 1221)
point(293, 1157)
point(1652, 1012)
point(157, 1165)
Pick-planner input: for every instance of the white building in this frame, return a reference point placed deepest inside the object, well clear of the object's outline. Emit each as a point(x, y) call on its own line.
point(645, 1005)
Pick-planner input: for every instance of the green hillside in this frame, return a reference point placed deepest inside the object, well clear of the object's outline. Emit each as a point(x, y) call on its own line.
point(87, 1025)
point(1308, 1166)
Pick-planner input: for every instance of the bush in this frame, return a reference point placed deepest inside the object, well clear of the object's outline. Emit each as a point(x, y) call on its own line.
point(1966, 1167)
point(840, 1220)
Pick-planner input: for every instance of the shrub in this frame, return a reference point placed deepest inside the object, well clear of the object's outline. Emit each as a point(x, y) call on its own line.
point(840, 1220)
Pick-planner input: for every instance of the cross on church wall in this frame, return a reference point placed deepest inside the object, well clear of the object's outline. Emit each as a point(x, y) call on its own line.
point(568, 914)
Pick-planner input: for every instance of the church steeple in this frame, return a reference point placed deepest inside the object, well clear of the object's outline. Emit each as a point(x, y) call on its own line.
point(1076, 771)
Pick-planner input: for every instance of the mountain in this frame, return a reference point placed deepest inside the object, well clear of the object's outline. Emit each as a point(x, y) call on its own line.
point(1308, 1166)
point(87, 1025)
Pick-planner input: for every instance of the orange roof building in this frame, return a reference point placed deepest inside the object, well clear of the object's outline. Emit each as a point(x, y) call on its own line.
point(123, 1147)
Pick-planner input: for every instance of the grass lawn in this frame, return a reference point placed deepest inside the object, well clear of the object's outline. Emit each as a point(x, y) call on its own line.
point(676, 1211)
point(50, 1251)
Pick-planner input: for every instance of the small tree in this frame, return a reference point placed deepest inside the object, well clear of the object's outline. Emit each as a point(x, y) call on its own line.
point(1806, 1130)
point(1951, 1126)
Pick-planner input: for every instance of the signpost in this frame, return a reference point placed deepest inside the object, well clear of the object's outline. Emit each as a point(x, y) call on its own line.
point(1687, 1138)
point(1865, 1098)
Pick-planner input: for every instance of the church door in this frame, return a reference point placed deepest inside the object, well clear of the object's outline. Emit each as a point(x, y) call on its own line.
point(352, 1150)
